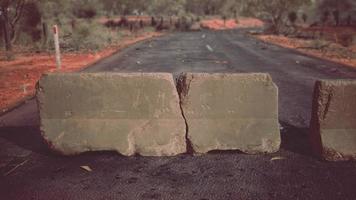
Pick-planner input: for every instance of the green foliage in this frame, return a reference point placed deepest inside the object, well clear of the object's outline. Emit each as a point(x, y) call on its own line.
point(70, 15)
point(274, 10)
point(86, 8)
point(89, 36)
point(54, 10)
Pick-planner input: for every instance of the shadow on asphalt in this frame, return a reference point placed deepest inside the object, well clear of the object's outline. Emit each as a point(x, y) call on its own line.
point(293, 138)
point(26, 137)
point(225, 152)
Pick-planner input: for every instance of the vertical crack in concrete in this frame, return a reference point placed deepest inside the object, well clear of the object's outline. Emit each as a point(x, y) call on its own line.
point(188, 142)
point(183, 85)
point(327, 104)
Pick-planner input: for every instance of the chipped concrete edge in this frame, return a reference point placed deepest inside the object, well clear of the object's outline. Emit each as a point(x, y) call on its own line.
point(183, 82)
point(182, 90)
point(322, 95)
point(55, 148)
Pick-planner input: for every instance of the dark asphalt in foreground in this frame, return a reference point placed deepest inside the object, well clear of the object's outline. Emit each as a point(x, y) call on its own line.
point(292, 173)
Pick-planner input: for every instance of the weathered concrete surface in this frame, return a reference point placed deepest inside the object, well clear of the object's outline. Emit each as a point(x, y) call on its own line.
point(333, 123)
point(130, 113)
point(230, 112)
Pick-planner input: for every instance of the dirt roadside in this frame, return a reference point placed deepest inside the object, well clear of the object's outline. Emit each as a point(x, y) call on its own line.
point(336, 53)
point(289, 174)
point(219, 24)
point(19, 77)
point(330, 47)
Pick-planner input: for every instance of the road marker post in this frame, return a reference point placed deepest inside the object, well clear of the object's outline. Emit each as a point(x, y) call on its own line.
point(56, 44)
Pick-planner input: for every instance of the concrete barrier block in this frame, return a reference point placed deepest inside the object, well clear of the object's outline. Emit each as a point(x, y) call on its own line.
point(230, 112)
point(333, 122)
point(129, 113)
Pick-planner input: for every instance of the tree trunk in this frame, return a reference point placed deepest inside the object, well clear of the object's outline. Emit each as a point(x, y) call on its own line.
point(275, 25)
point(45, 34)
point(349, 19)
point(5, 29)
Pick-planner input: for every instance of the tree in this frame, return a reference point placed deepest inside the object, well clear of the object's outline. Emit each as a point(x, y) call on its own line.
point(29, 23)
point(224, 19)
point(292, 16)
point(10, 14)
point(339, 8)
point(336, 15)
point(325, 17)
point(274, 10)
point(305, 17)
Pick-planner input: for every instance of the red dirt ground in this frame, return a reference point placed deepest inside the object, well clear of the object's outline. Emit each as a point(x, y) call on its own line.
point(145, 19)
point(218, 24)
point(334, 52)
point(19, 77)
point(333, 33)
point(213, 22)
point(249, 23)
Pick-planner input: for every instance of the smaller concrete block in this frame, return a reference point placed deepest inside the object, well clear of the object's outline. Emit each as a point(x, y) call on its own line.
point(333, 123)
point(128, 113)
point(230, 112)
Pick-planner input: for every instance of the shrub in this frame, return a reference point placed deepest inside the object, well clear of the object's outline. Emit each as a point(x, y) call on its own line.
point(124, 22)
point(347, 39)
point(185, 23)
point(110, 23)
point(153, 21)
point(224, 18)
point(29, 29)
point(336, 15)
point(177, 24)
point(305, 17)
point(91, 37)
point(325, 17)
point(86, 12)
point(319, 44)
point(87, 36)
point(292, 16)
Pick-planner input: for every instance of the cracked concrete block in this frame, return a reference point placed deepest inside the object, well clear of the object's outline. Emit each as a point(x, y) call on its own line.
point(135, 113)
point(333, 123)
point(230, 112)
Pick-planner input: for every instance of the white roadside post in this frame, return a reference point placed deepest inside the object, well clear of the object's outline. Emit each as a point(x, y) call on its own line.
point(56, 44)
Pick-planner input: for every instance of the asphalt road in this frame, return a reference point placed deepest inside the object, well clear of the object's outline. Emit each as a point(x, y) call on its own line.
point(41, 174)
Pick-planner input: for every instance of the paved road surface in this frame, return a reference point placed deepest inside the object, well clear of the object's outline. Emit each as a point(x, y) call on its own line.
point(218, 175)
